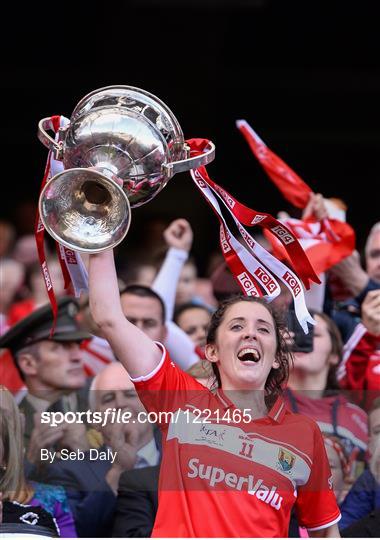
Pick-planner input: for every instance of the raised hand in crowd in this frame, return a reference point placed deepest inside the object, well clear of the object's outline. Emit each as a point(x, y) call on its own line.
point(350, 271)
point(175, 283)
point(179, 235)
point(371, 312)
point(351, 274)
point(315, 207)
point(179, 238)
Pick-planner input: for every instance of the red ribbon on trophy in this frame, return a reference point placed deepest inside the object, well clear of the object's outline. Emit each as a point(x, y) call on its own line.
point(253, 267)
point(73, 269)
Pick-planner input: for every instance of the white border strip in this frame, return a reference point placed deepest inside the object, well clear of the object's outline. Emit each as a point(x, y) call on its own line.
point(326, 525)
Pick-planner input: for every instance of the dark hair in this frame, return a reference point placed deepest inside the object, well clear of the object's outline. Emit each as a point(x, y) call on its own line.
point(332, 385)
point(277, 377)
point(188, 305)
point(145, 292)
point(129, 272)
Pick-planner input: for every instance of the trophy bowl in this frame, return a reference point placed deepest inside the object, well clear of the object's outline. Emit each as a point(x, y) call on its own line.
point(129, 137)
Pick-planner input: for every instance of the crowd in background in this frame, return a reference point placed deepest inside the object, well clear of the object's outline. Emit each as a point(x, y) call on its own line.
point(336, 382)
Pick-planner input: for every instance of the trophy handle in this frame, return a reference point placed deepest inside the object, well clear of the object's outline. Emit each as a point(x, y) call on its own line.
point(190, 163)
point(49, 142)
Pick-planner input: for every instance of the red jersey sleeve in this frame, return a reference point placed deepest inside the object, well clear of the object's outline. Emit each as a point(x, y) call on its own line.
point(316, 504)
point(167, 387)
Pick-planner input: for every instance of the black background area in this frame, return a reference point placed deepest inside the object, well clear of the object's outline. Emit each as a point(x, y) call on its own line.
point(305, 75)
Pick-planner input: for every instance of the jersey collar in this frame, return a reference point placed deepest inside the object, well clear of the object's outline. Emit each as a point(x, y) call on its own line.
point(276, 413)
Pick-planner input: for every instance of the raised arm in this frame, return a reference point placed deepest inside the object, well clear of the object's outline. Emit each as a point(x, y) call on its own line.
point(179, 238)
point(138, 353)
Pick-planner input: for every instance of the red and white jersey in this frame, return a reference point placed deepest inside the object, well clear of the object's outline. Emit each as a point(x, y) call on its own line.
point(360, 368)
point(224, 475)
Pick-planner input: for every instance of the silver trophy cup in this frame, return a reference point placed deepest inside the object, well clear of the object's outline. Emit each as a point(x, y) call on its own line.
point(119, 150)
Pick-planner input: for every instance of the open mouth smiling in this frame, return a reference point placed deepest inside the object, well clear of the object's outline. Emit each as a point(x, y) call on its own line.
point(249, 355)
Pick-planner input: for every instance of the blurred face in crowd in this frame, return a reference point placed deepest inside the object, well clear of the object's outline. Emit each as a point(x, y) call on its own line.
point(336, 471)
point(374, 430)
point(186, 284)
point(12, 276)
point(245, 347)
point(321, 357)
point(25, 249)
point(146, 314)
point(114, 389)
point(146, 274)
point(373, 256)
point(37, 284)
point(194, 322)
point(7, 236)
point(53, 365)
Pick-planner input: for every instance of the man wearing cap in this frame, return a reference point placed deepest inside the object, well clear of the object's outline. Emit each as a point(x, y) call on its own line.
point(52, 369)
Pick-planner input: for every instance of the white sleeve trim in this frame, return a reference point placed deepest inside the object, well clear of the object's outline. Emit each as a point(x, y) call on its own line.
point(156, 369)
point(326, 525)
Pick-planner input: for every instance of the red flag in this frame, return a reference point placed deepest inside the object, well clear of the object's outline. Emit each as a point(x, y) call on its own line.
point(326, 242)
point(294, 189)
